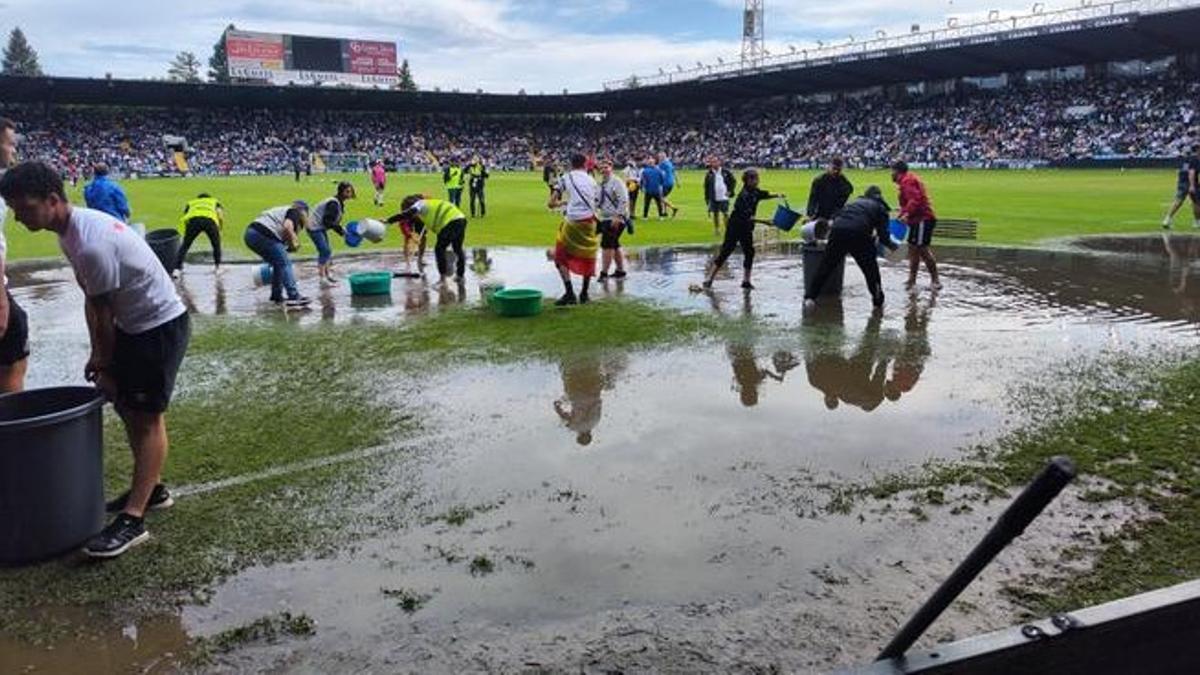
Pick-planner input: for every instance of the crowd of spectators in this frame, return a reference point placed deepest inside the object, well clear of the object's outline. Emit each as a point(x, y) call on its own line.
point(1151, 117)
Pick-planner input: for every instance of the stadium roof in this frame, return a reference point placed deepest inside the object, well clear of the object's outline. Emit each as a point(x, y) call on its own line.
point(1110, 37)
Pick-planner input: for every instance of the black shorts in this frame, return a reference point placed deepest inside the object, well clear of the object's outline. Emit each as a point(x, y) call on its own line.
point(921, 234)
point(667, 190)
point(145, 365)
point(14, 346)
point(719, 207)
point(610, 234)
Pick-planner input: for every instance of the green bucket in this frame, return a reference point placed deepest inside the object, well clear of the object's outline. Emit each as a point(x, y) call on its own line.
point(371, 283)
point(517, 302)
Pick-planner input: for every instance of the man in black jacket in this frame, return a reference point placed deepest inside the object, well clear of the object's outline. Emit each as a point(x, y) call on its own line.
point(830, 192)
point(718, 192)
point(855, 231)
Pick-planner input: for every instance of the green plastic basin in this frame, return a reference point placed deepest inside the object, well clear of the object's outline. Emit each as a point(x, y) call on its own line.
point(371, 283)
point(517, 302)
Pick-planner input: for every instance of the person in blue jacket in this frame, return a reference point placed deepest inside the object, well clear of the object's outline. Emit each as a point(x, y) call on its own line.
point(103, 194)
point(669, 181)
point(652, 187)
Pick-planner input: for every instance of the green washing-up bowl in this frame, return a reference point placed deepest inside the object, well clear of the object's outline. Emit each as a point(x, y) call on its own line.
point(517, 302)
point(371, 283)
point(488, 292)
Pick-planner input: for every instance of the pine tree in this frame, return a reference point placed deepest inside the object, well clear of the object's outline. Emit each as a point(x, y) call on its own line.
point(406, 82)
point(20, 58)
point(218, 63)
point(185, 68)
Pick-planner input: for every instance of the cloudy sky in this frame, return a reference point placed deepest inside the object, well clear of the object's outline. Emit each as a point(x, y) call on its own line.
point(496, 45)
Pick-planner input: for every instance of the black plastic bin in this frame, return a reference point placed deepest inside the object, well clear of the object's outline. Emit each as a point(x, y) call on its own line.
point(813, 255)
point(51, 472)
point(165, 244)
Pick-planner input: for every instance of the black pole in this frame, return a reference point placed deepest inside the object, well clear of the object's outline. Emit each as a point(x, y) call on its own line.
point(1036, 496)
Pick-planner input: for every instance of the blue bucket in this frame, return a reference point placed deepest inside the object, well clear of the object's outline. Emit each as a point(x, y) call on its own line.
point(353, 238)
point(264, 274)
point(785, 218)
point(899, 231)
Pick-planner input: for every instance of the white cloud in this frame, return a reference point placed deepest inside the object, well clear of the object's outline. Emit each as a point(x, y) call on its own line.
point(495, 45)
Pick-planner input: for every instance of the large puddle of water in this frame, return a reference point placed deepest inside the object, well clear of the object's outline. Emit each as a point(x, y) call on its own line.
point(659, 508)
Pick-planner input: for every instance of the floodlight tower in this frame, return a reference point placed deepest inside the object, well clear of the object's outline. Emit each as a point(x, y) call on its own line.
point(753, 36)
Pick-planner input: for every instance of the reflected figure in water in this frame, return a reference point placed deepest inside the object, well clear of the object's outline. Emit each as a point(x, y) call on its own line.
point(584, 381)
point(857, 380)
point(480, 262)
point(1179, 268)
point(914, 349)
point(748, 375)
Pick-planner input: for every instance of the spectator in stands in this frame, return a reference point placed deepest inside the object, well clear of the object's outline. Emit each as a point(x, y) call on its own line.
point(203, 214)
point(916, 211)
point(14, 325)
point(104, 194)
point(829, 193)
point(719, 186)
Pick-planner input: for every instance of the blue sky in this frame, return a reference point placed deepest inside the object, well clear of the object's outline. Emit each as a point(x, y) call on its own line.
point(495, 45)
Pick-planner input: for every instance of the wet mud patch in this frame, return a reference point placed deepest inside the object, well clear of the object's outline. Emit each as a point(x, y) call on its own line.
point(661, 483)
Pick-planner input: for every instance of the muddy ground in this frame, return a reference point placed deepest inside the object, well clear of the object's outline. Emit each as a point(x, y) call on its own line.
point(671, 508)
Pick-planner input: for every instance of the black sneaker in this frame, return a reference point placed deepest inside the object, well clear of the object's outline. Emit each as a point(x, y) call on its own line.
point(746, 285)
point(567, 299)
point(160, 499)
point(619, 274)
point(297, 302)
point(583, 298)
point(122, 534)
point(603, 276)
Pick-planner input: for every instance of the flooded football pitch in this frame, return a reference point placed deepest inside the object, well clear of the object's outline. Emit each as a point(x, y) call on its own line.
point(664, 508)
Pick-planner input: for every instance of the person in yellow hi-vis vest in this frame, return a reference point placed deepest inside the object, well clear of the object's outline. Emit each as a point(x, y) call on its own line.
point(448, 225)
point(453, 177)
point(202, 214)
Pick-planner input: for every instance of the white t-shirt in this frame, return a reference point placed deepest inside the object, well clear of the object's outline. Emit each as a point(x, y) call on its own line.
point(720, 189)
point(110, 258)
point(633, 173)
point(582, 193)
point(3, 242)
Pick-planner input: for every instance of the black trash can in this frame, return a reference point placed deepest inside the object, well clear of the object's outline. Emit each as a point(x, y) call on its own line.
point(51, 472)
point(813, 254)
point(165, 244)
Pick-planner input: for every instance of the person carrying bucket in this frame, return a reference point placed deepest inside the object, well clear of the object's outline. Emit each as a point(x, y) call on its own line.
point(272, 235)
point(739, 230)
point(855, 231)
point(327, 215)
point(448, 225)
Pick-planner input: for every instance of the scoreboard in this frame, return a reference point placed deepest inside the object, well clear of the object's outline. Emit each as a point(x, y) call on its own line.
point(287, 59)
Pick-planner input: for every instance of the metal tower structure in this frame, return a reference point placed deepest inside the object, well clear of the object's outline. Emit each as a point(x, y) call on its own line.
point(754, 48)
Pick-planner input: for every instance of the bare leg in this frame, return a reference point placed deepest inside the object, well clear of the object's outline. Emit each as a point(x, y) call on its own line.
point(619, 255)
point(914, 264)
point(1175, 206)
point(147, 433)
point(606, 258)
point(931, 265)
point(12, 377)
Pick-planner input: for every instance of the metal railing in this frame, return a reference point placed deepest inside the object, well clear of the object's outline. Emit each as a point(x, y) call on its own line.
point(1087, 14)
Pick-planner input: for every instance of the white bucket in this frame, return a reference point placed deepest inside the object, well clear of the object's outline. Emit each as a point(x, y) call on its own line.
point(372, 230)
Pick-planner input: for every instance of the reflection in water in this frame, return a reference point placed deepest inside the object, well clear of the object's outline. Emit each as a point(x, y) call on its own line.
point(914, 348)
point(748, 376)
point(584, 381)
point(145, 645)
point(481, 264)
point(1181, 254)
point(858, 379)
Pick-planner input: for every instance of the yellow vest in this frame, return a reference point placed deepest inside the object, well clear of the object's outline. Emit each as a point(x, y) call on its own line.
point(201, 207)
point(476, 170)
point(439, 213)
point(454, 177)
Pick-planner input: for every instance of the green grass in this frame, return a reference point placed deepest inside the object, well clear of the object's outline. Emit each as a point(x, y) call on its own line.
point(1013, 207)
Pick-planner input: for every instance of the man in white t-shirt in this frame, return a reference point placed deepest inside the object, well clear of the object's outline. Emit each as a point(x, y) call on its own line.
point(14, 328)
point(139, 333)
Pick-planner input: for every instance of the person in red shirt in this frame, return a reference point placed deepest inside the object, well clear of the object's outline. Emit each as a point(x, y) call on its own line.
point(917, 212)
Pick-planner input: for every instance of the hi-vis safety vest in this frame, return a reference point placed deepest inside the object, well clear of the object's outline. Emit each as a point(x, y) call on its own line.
point(438, 213)
point(201, 207)
point(454, 177)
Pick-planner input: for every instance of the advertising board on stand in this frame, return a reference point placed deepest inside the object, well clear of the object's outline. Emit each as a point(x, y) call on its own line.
point(282, 59)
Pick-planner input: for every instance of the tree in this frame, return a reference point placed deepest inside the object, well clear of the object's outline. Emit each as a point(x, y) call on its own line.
point(185, 68)
point(406, 83)
point(20, 58)
point(218, 63)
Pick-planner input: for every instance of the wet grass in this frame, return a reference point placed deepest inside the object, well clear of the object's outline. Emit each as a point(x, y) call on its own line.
point(268, 629)
point(259, 395)
point(1132, 428)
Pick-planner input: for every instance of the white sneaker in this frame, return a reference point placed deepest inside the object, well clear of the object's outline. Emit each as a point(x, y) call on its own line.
point(810, 305)
point(1166, 223)
point(175, 274)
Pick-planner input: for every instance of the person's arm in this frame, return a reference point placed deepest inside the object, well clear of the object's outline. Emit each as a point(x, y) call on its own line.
point(102, 329)
point(847, 189)
point(811, 209)
point(421, 246)
point(220, 215)
point(333, 219)
point(1192, 178)
point(4, 310)
point(556, 197)
point(289, 235)
point(882, 231)
point(122, 203)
